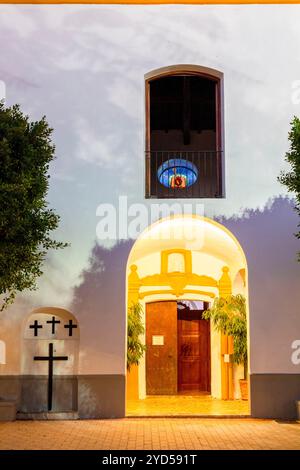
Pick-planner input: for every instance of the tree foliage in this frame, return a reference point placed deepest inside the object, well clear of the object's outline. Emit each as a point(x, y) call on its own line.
point(25, 219)
point(135, 328)
point(229, 316)
point(291, 178)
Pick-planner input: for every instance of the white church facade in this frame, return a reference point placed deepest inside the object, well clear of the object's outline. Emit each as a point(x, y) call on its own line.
point(182, 112)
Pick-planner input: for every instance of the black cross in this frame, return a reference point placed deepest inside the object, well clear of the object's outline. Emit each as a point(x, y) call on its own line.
point(50, 358)
point(53, 321)
point(36, 326)
point(70, 326)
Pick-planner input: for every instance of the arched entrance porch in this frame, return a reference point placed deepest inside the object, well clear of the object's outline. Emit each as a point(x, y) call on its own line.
point(188, 260)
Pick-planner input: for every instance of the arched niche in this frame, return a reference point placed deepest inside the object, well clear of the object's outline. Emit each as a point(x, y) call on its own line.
point(49, 331)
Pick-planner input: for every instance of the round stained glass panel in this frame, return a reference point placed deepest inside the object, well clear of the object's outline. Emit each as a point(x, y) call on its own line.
point(177, 173)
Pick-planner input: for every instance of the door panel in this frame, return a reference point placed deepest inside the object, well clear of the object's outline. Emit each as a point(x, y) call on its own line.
point(193, 351)
point(161, 359)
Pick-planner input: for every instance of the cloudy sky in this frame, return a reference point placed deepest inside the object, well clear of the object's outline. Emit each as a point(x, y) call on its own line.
point(84, 66)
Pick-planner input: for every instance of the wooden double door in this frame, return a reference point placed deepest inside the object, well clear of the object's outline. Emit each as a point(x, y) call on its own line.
point(178, 350)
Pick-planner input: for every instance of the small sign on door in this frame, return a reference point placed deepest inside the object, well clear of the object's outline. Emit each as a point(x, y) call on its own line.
point(227, 358)
point(158, 340)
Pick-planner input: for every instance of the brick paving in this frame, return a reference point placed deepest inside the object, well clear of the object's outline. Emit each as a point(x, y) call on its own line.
point(150, 433)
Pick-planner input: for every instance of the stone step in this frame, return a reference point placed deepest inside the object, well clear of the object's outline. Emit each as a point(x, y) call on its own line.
point(48, 415)
point(188, 416)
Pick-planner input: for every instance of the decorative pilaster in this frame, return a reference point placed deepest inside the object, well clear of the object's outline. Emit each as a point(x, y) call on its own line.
point(132, 380)
point(225, 284)
point(134, 285)
point(225, 289)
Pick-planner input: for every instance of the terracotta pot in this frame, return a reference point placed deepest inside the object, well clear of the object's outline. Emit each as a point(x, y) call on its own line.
point(244, 389)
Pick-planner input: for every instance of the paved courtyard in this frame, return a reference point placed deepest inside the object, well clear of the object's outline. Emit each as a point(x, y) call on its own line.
point(151, 433)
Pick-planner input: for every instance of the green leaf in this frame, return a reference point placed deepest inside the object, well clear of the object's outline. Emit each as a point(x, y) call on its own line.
point(135, 328)
point(26, 222)
point(291, 178)
point(229, 316)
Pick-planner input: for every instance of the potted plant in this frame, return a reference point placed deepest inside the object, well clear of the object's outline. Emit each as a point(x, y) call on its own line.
point(228, 315)
point(135, 328)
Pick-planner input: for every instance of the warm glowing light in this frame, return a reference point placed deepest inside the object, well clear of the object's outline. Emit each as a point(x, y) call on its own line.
point(177, 173)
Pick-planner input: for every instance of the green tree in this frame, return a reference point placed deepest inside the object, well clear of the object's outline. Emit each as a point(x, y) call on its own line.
point(229, 316)
point(291, 179)
point(135, 328)
point(25, 219)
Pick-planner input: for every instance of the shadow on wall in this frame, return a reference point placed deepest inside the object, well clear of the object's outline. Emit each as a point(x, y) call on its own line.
point(271, 249)
point(268, 240)
point(99, 302)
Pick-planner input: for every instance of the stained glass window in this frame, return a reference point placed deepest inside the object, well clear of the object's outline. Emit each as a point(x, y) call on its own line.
point(177, 173)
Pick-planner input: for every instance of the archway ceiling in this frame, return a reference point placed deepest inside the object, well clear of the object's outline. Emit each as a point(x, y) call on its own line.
point(190, 233)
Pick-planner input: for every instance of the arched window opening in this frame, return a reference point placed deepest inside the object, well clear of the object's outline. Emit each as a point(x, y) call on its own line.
point(184, 143)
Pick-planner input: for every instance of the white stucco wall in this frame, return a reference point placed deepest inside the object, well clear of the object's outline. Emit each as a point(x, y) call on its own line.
point(83, 66)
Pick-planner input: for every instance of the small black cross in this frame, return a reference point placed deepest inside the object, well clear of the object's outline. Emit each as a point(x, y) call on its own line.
point(70, 326)
point(53, 322)
point(36, 326)
point(50, 358)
